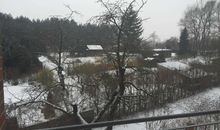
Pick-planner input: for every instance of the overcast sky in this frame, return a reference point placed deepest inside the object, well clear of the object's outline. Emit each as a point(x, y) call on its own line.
point(164, 14)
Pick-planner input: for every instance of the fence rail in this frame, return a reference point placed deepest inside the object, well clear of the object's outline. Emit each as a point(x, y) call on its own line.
point(157, 98)
point(140, 120)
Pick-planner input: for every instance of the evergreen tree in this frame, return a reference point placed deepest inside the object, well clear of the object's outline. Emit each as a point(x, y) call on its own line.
point(132, 30)
point(184, 42)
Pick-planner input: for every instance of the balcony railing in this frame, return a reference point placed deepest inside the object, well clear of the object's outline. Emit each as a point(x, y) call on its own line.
point(215, 125)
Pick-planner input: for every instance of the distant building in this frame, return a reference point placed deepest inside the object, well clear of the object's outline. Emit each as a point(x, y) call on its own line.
point(183, 74)
point(89, 50)
point(94, 50)
point(163, 53)
point(151, 62)
point(174, 65)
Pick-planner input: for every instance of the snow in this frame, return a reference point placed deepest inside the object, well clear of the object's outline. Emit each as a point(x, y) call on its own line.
point(149, 58)
point(158, 50)
point(83, 60)
point(156, 54)
point(204, 101)
point(197, 59)
point(195, 73)
point(94, 47)
point(63, 54)
point(47, 63)
point(15, 93)
point(173, 54)
point(182, 106)
point(174, 65)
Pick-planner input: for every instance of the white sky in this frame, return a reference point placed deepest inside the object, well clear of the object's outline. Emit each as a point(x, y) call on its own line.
point(164, 14)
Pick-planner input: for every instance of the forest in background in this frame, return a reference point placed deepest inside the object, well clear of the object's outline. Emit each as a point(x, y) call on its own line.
point(24, 39)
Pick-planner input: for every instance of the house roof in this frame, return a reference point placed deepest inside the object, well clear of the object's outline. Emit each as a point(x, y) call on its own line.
point(184, 69)
point(149, 59)
point(175, 65)
point(158, 50)
point(194, 73)
point(94, 47)
point(156, 54)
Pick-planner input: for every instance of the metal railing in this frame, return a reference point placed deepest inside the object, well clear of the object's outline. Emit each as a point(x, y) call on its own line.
point(206, 126)
point(147, 119)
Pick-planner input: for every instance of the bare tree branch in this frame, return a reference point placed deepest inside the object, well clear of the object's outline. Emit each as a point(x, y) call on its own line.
point(42, 101)
point(140, 89)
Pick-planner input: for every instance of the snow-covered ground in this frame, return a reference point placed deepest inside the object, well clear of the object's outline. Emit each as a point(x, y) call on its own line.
point(83, 60)
point(204, 101)
point(198, 59)
point(174, 65)
point(18, 94)
point(208, 100)
point(47, 63)
point(15, 93)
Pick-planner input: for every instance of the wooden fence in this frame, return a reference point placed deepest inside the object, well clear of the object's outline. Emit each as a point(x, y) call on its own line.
point(155, 99)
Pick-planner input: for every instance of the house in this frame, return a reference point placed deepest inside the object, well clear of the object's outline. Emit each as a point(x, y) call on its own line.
point(165, 53)
point(94, 50)
point(175, 72)
point(88, 50)
point(150, 62)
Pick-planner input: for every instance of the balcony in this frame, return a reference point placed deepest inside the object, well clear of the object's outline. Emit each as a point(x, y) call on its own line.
point(212, 125)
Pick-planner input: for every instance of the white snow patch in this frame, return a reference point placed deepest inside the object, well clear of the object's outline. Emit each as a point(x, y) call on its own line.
point(15, 93)
point(94, 47)
point(83, 60)
point(47, 63)
point(173, 54)
point(158, 50)
point(197, 59)
point(187, 105)
point(174, 65)
point(156, 54)
point(149, 58)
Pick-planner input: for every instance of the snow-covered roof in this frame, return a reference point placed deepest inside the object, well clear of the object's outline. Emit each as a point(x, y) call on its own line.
point(94, 47)
point(174, 65)
point(173, 54)
point(156, 54)
point(161, 50)
point(149, 58)
point(195, 73)
point(197, 59)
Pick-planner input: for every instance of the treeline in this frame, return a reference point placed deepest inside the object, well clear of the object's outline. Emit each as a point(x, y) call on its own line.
point(202, 23)
point(23, 39)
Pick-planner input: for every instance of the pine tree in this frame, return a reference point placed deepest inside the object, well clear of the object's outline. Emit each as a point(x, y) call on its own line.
point(132, 30)
point(184, 42)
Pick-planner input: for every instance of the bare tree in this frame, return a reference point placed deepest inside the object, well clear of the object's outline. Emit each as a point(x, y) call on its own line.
point(198, 20)
point(217, 21)
point(115, 15)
